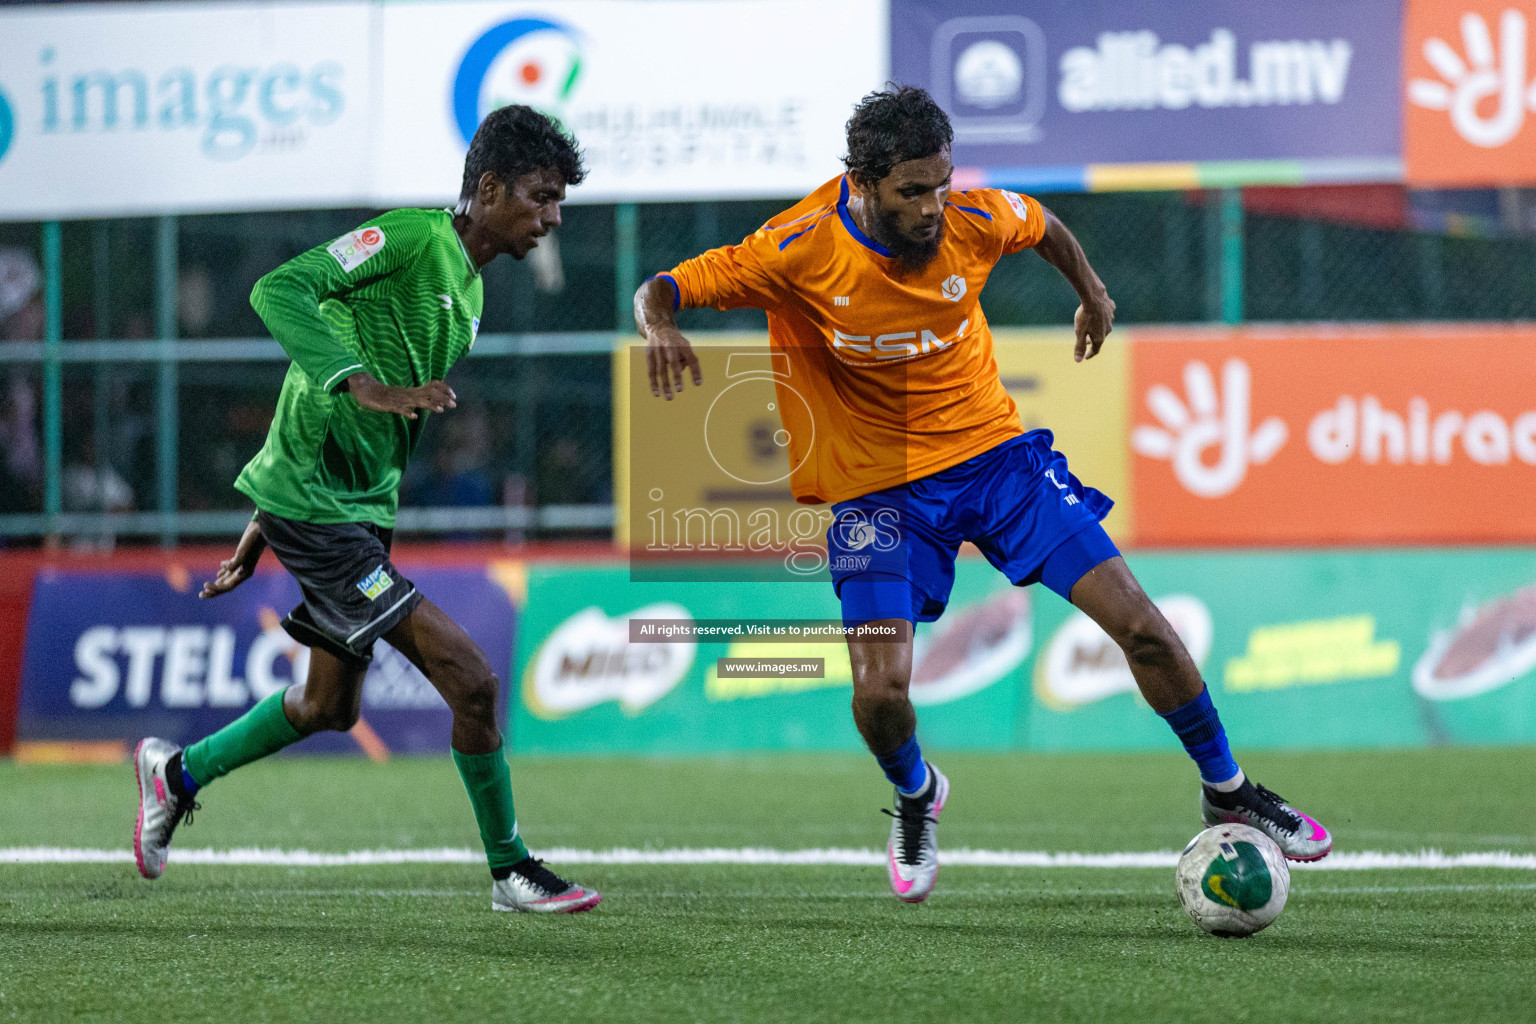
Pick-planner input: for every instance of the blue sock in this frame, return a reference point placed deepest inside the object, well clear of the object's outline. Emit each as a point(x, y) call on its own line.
point(905, 768)
point(1199, 729)
point(188, 781)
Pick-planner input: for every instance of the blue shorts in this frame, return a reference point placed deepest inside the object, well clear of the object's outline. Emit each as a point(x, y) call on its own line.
point(893, 552)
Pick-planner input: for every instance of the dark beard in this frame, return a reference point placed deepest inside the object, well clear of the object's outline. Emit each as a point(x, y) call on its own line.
point(913, 256)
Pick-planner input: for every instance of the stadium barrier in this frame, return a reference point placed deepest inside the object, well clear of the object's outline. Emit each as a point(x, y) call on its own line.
point(101, 649)
point(1283, 434)
point(1347, 648)
point(1359, 648)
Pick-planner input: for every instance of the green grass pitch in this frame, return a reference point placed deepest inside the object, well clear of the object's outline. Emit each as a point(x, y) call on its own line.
point(419, 943)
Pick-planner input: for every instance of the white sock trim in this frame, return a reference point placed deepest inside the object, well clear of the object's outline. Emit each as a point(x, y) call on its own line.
point(1231, 785)
point(920, 790)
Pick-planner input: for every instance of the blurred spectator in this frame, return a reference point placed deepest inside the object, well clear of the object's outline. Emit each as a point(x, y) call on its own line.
point(194, 302)
point(91, 485)
point(21, 307)
point(22, 318)
point(459, 473)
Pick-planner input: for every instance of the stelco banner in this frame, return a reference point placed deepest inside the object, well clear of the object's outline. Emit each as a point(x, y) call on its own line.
point(115, 656)
point(1363, 435)
point(1156, 81)
point(1348, 649)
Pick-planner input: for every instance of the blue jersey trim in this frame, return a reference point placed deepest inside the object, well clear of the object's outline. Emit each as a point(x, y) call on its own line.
point(797, 220)
point(804, 230)
point(677, 293)
point(853, 229)
point(971, 209)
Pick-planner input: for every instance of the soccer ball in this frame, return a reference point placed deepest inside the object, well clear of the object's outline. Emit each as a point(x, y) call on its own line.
point(1233, 880)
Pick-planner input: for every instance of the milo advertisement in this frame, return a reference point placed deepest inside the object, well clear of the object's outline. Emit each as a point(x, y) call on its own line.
point(588, 680)
point(1335, 649)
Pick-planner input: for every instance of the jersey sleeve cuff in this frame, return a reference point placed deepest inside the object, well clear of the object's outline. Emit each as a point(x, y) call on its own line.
point(677, 293)
point(334, 380)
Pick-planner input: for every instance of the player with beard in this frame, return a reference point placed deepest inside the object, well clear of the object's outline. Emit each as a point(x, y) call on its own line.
point(872, 285)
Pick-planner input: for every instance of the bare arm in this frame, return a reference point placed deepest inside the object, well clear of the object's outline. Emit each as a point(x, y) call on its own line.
point(372, 394)
point(667, 352)
point(238, 568)
point(1095, 316)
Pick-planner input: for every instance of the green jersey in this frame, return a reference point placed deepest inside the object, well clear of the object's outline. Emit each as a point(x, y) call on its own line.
point(400, 298)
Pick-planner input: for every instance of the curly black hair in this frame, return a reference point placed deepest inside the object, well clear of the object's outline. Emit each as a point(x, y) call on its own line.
point(900, 123)
point(514, 140)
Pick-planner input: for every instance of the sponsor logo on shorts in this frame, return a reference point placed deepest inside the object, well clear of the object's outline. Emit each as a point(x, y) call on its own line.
point(353, 250)
point(375, 583)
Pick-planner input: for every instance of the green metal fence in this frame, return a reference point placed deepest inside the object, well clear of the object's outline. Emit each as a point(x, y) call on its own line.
point(153, 382)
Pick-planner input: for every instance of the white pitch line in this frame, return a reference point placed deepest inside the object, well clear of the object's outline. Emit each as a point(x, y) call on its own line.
point(821, 857)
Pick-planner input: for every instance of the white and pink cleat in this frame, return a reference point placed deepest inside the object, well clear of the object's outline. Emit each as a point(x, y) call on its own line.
point(160, 809)
point(532, 888)
point(1298, 835)
point(912, 854)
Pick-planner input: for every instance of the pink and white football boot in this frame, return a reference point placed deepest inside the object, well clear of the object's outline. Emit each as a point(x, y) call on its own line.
point(912, 854)
point(532, 888)
point(1299, 836)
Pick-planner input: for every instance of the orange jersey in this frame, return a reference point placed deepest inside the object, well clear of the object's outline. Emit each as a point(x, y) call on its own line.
point(891, 374)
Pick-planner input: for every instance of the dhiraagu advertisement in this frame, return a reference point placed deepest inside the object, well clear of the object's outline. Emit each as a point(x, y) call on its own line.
point(1300, 650)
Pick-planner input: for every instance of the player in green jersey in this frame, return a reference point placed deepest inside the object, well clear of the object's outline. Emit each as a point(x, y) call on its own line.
point(365, 318)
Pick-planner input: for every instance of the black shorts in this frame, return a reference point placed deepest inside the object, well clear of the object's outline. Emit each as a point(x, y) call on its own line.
point(353, 594)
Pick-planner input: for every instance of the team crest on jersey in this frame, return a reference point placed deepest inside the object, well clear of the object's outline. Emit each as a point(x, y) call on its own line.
point(1017, 202)
point(375, 583)
point(953, 287)
point(353, 250)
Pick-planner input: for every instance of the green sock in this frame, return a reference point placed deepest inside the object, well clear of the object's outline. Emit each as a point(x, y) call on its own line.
point(260, 731)
point(489, 782)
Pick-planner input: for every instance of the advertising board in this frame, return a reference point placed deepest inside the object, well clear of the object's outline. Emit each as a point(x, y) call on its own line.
point(123, 109)
point(1300, 650)
point(1469, 100)
point(112, 656)
point(249, 106)
point(669, 100)
point(713, 449)
point(1065, 96)
point(1334, 434)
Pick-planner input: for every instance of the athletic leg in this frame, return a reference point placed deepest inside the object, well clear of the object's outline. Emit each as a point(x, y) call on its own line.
point(169, 778)
point(456, 666)
point(1170, 681)
point(882, 711)
point(885, 717)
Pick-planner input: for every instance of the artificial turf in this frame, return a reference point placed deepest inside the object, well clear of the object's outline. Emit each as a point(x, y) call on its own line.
point(765, 943)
